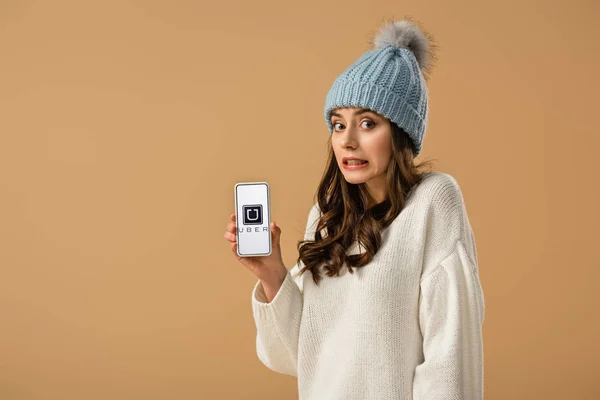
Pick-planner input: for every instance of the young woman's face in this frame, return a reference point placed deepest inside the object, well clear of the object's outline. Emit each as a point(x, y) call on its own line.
point(364, 134)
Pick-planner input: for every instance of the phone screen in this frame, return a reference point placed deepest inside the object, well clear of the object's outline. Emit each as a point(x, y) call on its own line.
point(253, 218)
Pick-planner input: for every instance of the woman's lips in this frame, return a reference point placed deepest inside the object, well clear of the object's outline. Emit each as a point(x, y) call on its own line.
point(356, 166)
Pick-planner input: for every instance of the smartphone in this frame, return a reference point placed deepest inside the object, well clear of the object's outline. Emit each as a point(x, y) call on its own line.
point(253, 219)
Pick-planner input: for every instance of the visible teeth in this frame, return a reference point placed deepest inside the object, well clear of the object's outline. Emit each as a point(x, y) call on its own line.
point(354, 162)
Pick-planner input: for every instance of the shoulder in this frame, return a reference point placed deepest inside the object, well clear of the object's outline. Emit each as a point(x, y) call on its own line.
point(441, 193)
point(440, 199)
point(439, 206)
point(437, 186)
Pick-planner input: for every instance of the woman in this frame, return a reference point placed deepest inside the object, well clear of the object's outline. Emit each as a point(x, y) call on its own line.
point(384, 301)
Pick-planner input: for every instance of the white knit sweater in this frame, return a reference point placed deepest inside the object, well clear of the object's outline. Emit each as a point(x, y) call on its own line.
point(408, 325)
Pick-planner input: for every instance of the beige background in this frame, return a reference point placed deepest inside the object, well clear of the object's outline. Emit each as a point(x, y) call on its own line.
point(124, 126)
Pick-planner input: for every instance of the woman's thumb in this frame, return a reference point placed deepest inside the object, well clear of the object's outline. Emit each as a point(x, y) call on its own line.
point(276, 233)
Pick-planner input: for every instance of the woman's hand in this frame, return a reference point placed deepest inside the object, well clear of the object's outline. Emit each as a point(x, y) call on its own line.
point(267, 268)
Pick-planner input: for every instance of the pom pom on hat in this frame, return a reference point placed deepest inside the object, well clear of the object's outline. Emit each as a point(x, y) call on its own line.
point(409, 35)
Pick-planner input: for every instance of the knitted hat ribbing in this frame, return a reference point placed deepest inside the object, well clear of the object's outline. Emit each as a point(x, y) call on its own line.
point(388, 79)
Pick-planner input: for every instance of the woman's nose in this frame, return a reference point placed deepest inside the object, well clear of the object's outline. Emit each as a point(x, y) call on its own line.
point(348, 140)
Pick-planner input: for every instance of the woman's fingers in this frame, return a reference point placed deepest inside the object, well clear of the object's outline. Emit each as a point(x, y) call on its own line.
point(230, 236)
point(234, 251)
point(231, 226)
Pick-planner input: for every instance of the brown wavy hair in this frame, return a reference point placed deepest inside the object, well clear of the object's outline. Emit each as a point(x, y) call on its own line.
point(347, 216)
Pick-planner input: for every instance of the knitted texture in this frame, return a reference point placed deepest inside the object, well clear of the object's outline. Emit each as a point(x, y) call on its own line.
point(389, 81)
point(408, 325)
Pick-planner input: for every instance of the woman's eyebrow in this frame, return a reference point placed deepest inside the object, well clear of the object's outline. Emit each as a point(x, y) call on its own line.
point(357, 112)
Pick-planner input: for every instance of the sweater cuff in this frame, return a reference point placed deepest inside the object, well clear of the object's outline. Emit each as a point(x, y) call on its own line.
point(285, 303)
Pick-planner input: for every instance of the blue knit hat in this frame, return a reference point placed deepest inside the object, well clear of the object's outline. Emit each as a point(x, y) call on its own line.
point(389, 79)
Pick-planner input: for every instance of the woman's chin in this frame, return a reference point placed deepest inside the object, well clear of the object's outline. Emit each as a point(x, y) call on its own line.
point(350, 178)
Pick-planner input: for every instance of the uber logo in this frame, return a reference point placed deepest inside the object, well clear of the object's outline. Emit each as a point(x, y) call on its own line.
point(253, 214)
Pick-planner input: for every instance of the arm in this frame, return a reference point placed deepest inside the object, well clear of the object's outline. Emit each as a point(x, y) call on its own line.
point(451, 313)
point(278, 321)
point(277, 326)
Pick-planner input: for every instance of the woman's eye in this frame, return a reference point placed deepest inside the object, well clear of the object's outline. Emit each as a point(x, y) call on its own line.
point(367, 121)
point(370, 122)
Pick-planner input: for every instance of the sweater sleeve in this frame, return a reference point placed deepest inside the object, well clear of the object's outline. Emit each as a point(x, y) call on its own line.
point(451, 313)
point(278, 322)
